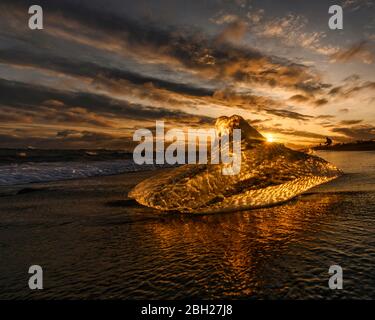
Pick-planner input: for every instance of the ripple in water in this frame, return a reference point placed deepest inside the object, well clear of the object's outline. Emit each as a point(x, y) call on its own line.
point(93, 247)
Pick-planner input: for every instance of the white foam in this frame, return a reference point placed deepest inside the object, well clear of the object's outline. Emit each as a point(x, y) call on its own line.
point(13, 174)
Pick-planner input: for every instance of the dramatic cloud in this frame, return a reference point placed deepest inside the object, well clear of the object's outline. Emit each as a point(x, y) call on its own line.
point(321, 102)
point(299, 98)
point(350, 122)
point(362, 51)
point(289, 114)
point(352, 89)
point(233, 32)
point(95, 73)
point(291, 31)
point(27, 103)
point(355, 5)
point(361, 132)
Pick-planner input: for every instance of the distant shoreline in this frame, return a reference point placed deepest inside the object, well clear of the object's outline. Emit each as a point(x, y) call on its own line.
point(26, 155)
point(352, 146)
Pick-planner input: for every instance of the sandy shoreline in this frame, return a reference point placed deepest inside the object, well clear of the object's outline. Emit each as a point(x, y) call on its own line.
point(95, 243)
point(125, 180)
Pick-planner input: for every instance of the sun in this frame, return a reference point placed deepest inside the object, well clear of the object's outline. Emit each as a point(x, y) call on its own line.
point(270, 138)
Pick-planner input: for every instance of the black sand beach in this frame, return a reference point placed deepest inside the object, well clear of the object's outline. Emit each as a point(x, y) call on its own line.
point(94, 243)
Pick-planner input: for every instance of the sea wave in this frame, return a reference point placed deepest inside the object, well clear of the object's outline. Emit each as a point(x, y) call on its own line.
point(13, 174)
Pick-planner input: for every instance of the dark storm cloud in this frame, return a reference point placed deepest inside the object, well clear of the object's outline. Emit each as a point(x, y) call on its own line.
point(93, 70)
point(26, 98)
point(360, 132)
point(258, 104)
point(160, 63)
point(30, 105)
point(192, 48)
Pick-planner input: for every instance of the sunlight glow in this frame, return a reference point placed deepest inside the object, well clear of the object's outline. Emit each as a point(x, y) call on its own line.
point(270, 138)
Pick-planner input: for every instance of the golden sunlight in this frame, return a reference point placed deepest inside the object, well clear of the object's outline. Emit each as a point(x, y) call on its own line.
point(270, 137)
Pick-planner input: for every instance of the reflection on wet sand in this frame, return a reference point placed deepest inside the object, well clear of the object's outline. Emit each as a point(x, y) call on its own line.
point(245, 245)
point(93, 243)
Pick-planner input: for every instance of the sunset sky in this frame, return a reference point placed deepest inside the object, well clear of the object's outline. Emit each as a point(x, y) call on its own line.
point(101, 69)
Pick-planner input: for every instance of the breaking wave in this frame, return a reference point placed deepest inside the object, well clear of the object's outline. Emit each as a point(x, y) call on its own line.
point(13, 174)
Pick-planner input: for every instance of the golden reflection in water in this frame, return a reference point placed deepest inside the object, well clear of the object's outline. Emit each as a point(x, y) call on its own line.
point(243, 242)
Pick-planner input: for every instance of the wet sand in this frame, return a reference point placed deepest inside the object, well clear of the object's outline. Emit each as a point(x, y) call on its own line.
point(94, 243)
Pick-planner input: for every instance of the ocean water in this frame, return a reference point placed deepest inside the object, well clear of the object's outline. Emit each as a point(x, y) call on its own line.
point(359, 169)
point(29, 172)
point(94, 243)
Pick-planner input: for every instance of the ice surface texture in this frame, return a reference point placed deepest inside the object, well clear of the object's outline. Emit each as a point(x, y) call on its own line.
point(270, 174)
